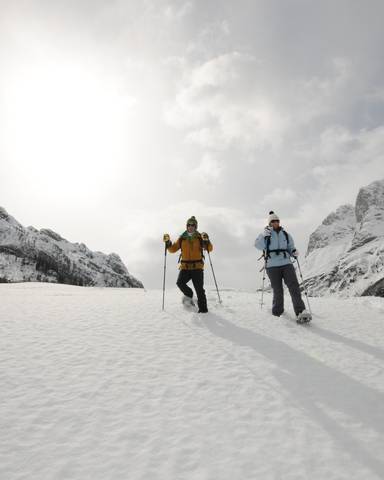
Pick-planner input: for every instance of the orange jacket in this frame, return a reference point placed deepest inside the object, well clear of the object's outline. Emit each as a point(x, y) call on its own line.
point(191, 251)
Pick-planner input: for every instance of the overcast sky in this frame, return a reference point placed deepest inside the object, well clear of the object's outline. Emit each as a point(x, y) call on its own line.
point(121, 119)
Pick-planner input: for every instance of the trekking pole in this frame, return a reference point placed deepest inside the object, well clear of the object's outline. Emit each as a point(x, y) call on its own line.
point(214, 277)
point(305, 288)
point(165, 269)
point(262, 288)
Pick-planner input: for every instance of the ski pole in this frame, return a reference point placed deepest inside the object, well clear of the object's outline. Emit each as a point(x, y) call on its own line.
point(165, 269)
point(303, 283)
point(262, 288)
point(214, 277)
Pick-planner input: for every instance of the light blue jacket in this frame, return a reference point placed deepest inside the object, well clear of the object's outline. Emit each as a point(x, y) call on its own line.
point(278, 242)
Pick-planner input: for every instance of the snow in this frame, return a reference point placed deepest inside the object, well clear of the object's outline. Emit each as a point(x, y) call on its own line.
point(101, 384)
point(346, 252)
point(323, 260)
point(28, 254)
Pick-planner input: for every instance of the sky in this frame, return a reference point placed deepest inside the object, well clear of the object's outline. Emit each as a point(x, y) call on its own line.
point(121, 119)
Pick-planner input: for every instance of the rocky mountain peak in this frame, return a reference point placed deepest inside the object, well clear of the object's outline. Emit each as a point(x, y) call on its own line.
point(337, 226)
point(369, 210)
point(368, 197)
point(51, 234)
point(28, 254)
point(346, 252)
point(4, 215)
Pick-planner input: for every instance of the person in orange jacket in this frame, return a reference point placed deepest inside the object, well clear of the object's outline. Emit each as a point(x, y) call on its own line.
point(192, 244)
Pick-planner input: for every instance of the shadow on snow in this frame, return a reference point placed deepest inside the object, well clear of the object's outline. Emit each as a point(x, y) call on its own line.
point(315, 386)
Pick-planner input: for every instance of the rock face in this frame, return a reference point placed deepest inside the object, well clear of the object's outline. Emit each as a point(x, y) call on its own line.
point(337, 228)
point(346, 252)
point(30, 255)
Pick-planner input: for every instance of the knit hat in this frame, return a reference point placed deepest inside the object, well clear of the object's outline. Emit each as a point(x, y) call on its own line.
point(272, 216)
point(192, 220)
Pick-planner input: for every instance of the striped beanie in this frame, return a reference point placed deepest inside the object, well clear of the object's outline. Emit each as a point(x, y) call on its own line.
point(192, 220)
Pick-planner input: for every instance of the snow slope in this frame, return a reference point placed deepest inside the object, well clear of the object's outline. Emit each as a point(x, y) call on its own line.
point(346, 252)
point(100, 384)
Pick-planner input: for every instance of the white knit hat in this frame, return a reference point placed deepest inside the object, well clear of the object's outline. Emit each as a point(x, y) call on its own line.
point(272, 216)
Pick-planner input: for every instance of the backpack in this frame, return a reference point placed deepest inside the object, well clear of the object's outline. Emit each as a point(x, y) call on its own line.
point(181, 238)
point(277, 250)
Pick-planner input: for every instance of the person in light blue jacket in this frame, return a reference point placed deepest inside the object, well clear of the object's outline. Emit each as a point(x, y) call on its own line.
point(278, 248)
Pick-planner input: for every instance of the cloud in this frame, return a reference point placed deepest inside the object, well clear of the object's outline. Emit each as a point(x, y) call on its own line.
point(317, 95)
point(279, 196)
point(217, 106)
point(176, 12)
point(236, 100)
point(209, 170)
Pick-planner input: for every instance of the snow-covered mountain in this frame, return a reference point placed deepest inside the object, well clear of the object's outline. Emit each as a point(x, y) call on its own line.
point(346, 252)
point(28, 254)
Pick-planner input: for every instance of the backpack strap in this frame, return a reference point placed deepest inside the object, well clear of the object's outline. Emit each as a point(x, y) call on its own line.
point(267, 244)
point(277, 250)
point(201, 248)
point(180, 241)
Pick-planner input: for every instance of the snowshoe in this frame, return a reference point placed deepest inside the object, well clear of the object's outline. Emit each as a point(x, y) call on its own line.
point(188, 302)
point(304, 317)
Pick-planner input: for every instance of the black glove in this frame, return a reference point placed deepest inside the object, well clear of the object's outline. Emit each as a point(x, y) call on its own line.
point(205, 240)
point(167, 240)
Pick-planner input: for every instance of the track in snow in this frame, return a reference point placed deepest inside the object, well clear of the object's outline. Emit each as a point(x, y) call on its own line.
point(99, 383)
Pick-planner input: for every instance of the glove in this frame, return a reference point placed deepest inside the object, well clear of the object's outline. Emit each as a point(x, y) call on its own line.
point(295, 253)
point(167, 240)
point(205, 239)
point(267, 232)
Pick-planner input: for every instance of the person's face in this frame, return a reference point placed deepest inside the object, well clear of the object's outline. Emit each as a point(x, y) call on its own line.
point(275, 224)
point(191, 227)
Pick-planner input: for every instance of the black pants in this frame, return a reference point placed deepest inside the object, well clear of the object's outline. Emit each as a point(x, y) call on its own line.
point(197, 277)
point(288, 274)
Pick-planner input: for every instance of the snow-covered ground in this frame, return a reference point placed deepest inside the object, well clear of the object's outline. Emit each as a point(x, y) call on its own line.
point(101, 384)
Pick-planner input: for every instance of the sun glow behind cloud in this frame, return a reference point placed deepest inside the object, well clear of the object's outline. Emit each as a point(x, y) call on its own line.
point(65, 126)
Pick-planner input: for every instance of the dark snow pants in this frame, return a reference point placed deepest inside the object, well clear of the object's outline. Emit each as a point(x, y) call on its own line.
point(197, 277)
point(276, 276)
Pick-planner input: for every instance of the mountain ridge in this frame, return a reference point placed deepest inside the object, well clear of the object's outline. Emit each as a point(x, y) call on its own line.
point(345, 253)
point(28, 254)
